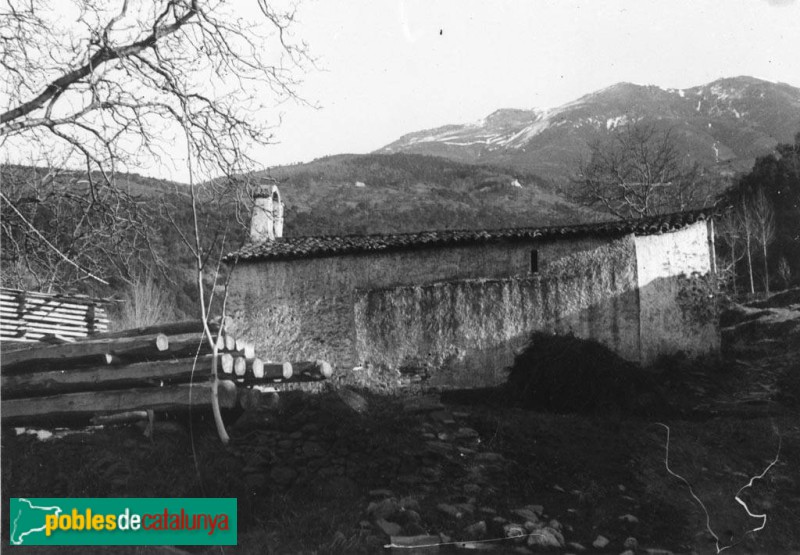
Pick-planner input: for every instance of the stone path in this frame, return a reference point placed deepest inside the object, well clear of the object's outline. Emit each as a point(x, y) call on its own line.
point(431, 490)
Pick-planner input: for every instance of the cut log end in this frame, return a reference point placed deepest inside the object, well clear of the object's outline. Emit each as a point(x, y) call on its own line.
point(258, 368)
point(239, 366)
point(230, 342)
point(162, 342)
point(240, 344)
point(324, 368)
point(226, 360)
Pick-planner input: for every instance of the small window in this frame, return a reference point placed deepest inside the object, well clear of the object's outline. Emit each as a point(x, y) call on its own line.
point(534, 261)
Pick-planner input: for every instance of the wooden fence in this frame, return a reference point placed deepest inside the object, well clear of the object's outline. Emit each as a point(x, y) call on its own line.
point(29, 316)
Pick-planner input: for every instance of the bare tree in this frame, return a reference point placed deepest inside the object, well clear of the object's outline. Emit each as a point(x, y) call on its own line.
point(784, 271)
point(748, 229)
point(638, 171)
point(60, 229)
point(115, 85)
point(110, 86)
point(729, 231)
point(764, 223)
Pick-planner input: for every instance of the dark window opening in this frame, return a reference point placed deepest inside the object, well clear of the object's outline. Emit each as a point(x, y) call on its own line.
point(534, 261)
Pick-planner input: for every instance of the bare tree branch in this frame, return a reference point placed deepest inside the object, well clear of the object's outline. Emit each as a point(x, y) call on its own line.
point(110, 85)
point(48, 243)
point(637, 171)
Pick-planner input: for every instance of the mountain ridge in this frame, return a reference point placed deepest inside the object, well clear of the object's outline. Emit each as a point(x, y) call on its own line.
point(724, 125)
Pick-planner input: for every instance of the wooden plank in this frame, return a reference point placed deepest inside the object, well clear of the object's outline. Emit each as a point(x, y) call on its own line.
point(30, 302)
point(19, 339)
point(83, 330)
point(46, 323)
point(56, 319)
point(173, 397)
point(39, 334)
point(141, 374)
point(36, 334)
point(46, 306)
point(42, 311)
point(52, 328)
point(8, 292)
point(69, 302)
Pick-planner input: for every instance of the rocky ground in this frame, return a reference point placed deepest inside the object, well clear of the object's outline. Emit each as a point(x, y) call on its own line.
point(350, 472)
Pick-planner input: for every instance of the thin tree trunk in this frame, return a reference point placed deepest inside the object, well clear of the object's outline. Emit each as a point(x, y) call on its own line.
point(733, 267)
point(750, 267)
point(766, 269)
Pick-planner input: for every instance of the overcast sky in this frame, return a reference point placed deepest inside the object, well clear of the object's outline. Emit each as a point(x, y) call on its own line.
point(395, 66)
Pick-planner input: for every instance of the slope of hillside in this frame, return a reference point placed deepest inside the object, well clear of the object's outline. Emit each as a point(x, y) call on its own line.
point(724, 125)
point(378, 193)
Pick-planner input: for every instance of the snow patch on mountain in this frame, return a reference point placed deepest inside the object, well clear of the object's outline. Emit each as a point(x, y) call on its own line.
point(613, 123)
point(734, 112)
point(725, 93)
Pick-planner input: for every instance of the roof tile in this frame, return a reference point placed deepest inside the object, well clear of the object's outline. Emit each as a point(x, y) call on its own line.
point(287, 248)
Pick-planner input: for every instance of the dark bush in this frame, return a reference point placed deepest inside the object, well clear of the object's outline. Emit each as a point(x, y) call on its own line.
point(567, 374)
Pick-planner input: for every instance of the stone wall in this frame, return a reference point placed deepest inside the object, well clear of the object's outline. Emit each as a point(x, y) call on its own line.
point(677, 293)
point(456, 315)
point(305, 308)
point(466, 332)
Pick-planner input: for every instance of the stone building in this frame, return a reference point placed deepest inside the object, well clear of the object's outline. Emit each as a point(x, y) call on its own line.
point(451, 308)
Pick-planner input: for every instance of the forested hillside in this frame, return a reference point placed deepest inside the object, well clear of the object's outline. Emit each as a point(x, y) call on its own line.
point(149, 257)
point(380, 193)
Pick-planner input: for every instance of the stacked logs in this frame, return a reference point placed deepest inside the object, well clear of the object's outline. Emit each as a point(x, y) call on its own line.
point(164, 367)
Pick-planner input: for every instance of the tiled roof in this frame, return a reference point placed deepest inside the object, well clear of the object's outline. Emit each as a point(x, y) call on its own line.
point(334, 245)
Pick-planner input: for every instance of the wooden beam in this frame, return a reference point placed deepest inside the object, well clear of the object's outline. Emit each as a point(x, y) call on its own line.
point(90, 352)
point(142, 374)
point(173, 328)
point(262, 370)
point(174, 397)
point(287, 372)
point(121, 417)
point(312, 371)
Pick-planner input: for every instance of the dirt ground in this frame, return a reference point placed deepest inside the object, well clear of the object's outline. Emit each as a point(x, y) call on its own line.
point(312, 475)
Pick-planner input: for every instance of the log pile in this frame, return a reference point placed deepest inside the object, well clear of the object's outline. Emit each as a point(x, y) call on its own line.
point(165, 367)
point(29, 316)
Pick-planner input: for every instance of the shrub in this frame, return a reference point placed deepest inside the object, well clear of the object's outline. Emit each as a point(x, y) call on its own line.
point(568, 374)
point(144, 303)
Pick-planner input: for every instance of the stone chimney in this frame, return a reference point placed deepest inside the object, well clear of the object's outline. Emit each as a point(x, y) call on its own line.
point(266, 223)
point(277, 213)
